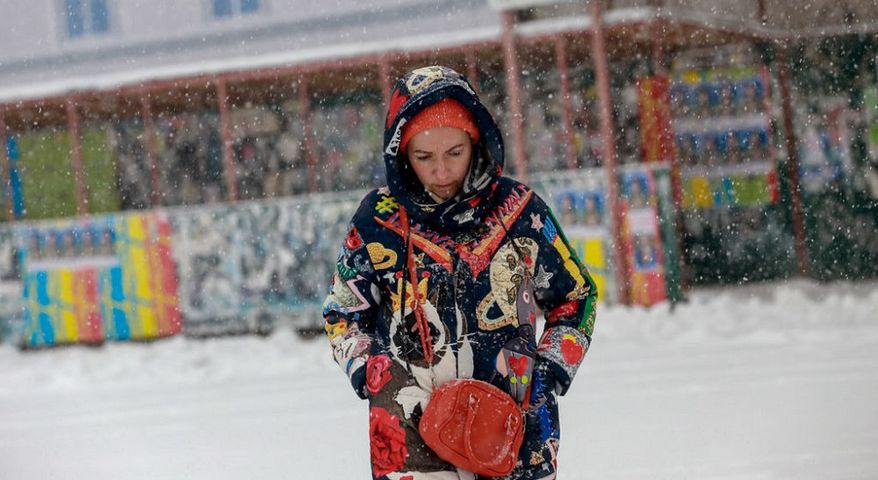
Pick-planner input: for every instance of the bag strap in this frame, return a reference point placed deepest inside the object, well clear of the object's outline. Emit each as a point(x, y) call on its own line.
point(409, 267)
point(472, 407)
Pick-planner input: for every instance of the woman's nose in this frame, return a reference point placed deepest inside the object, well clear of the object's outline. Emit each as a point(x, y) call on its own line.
point(441, 168)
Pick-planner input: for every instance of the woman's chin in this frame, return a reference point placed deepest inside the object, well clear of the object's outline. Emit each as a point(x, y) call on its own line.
point(442, 195)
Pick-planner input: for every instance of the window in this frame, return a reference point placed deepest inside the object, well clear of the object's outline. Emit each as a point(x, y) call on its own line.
point(85, 17)
point(229, 8)
point(249, 6)
point(100, 19)
point(222, 8)
point(75, 23)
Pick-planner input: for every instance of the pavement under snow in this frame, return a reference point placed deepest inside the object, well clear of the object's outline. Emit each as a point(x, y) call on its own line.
point(767, 381)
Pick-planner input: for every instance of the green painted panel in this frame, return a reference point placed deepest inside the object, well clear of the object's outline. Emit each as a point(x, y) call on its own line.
point(48, 186)
point(101, 188)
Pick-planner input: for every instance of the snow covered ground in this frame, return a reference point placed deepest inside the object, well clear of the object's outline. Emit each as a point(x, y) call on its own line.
point(766, 381)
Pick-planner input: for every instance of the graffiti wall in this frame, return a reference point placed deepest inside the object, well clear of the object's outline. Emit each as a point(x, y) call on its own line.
point(246, 266)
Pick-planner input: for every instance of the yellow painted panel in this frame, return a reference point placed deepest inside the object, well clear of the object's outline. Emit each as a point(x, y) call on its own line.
point(69, 326)
point(65, 286)
point(698, 194)
point(136, 230)
point(140, 269)
point(596, 262)
point(147, 319)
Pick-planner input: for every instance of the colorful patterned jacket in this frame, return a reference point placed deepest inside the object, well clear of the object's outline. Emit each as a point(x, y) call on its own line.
point(470, 280)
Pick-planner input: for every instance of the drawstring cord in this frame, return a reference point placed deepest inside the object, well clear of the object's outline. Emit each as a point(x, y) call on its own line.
point(420, 318)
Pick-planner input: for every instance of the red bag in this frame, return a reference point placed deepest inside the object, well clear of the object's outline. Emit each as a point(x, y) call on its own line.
point(474, 426)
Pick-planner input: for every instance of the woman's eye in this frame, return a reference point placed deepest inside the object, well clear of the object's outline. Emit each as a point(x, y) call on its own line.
point(456, 153)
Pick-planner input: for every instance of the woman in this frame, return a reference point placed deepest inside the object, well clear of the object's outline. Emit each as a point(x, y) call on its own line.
point(431, 276)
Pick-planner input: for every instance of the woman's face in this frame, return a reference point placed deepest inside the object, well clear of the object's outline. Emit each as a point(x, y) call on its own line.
point(440, 157)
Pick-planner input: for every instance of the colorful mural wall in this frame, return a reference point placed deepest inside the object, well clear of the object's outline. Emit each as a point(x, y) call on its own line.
point(734, 226)
point(243, 267)
point(642, 238)
point(110, 278)
point(723, 132)
point(579, 202)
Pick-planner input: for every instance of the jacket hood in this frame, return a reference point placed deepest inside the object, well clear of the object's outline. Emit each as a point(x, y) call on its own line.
point(412, 93)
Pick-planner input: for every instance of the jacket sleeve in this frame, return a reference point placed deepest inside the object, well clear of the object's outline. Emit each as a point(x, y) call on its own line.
point(350, 309)
point(566, 294)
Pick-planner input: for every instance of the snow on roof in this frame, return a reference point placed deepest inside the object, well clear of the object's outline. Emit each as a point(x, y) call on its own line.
point(112, 80)
point(434, 41)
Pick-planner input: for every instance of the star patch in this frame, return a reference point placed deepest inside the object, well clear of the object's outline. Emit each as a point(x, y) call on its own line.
point(541, 280)
point(535, 222)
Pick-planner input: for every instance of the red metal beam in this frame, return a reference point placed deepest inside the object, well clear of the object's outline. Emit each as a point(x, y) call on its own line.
point(566, 101)
point(792, 159)
point(602, 80)
point(308, 134)
point(5, 165)
point(513, 94)
point(149, 143)
point(76, 157)
point(222, 98)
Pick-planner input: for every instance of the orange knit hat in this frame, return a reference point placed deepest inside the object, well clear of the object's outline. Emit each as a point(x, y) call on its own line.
point(447, 112)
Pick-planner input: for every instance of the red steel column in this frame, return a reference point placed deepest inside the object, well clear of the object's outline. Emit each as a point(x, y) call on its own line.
point(602, 78)
point(661, 68)
point(472, 69)
point(792, 159)
point(76, 156)
point(222, 98)
point(513, 92)
point(5, 165)
point(308, 135)
point(566, 101)
point(384, 82)
point(149, 143)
